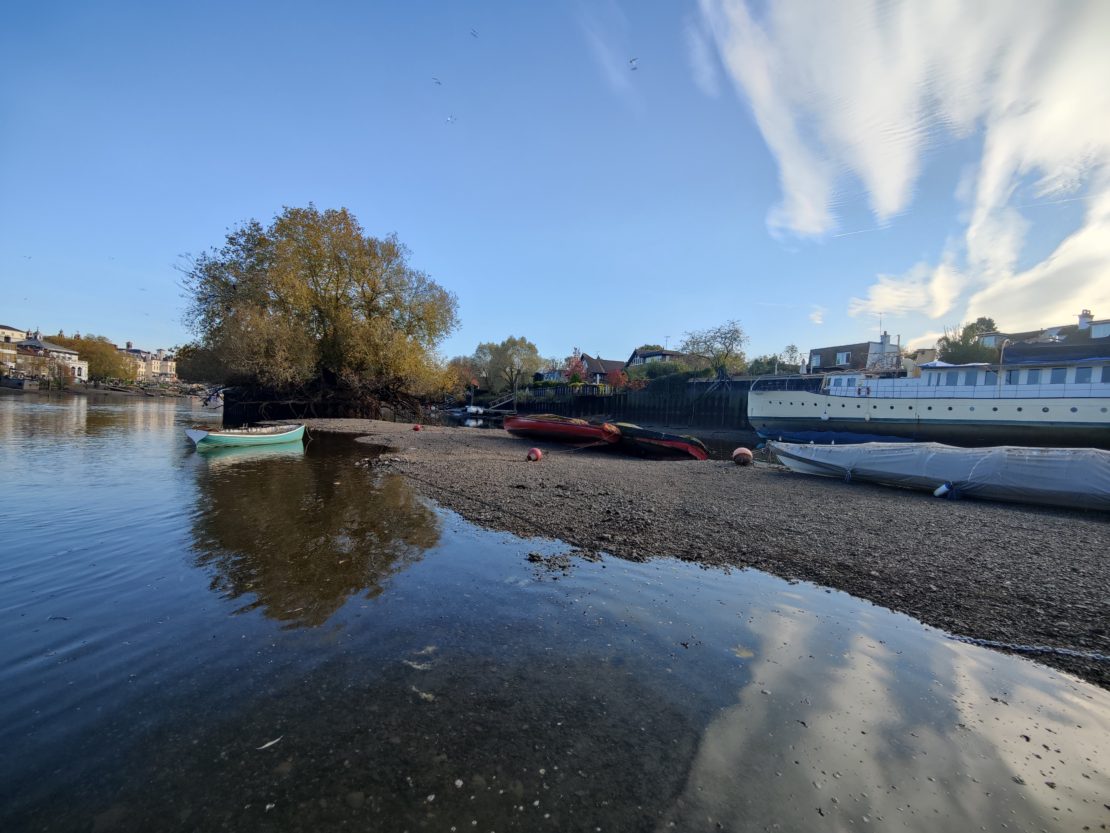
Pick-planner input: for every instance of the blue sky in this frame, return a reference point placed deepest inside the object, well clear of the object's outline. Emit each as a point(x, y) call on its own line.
point(800, 167)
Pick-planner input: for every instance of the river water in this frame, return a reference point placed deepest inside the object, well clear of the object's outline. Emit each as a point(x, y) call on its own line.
point(287, 640)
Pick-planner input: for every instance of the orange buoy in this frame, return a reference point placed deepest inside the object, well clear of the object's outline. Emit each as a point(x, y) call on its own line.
point(416, 428)
point(742, 456)
point(534, 454)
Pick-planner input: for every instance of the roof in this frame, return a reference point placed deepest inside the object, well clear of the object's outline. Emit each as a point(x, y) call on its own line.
point(44, 345)
point(6, 327)
point(599, 365)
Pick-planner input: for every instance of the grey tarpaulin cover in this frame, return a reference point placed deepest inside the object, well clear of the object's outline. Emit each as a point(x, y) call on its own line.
point(1075, 477)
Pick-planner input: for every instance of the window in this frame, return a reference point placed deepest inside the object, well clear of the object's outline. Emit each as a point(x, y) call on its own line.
point(1058, 375)
point(815, 360)
point(1033, 376)
point(844, 358)
point(971, 377)
point(1083, 375)
point(952, 377)
point(1106, 373)
point(850, 382)
point(1012, 377)
point(837, 382)
point(991, 378)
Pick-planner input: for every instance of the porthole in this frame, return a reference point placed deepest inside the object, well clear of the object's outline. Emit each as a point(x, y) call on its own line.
point(873, 407)
point(1044, 410)
point(842, 405)
point(1074, 410)
point(929, 408)
point(1103, 410)
point(972, 408)
point(994, 409)
point(950, 407)
point(892, 407)
point(1019, 409)
point(909, 407)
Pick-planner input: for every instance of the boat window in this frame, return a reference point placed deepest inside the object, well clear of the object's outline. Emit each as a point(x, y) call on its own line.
point(837, 381)
point(1082, 375)
point(952, 377)
point(1033, 376)
point(1106, 373)
point(971, 377)
point(1012, 377)
point(991, 378)
point(850, 382)
point(1058, 376)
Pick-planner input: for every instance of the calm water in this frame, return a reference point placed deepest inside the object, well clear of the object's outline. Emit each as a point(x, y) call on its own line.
point(289, 641)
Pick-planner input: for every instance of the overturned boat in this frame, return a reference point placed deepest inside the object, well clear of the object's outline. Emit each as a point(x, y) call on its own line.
point(659, 444)
point(1072, 477)
point(561, 429)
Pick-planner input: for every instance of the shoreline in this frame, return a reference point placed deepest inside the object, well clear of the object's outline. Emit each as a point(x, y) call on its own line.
point(1002, 572)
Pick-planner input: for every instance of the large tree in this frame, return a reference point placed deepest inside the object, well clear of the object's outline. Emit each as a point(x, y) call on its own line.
point(960, 344)
point(504, 366)
point(313, 302)
point(721, 346)
point(104, 358)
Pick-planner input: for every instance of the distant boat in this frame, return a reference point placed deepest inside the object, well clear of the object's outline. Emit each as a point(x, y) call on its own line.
point(1073, 477)
point(561, 429)
point(652, 443)
point(205, 438)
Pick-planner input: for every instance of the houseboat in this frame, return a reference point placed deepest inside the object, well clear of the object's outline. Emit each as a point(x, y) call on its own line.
point(1045, 394)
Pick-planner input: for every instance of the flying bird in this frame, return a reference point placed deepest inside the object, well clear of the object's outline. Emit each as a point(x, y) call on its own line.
point(450, 119)
point(632, 64)
point(473, 33)
point(436, 81)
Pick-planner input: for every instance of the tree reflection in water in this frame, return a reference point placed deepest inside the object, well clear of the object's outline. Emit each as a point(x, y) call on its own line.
point(300, 534)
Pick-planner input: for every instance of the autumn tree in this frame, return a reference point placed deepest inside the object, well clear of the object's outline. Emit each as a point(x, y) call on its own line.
point(312, 303)
point(504, 366)
point(574, 369)
point(721, 346)
point(104, 358)
point(198, 364)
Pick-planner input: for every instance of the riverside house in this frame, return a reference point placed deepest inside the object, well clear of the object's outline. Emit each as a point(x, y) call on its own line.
point(36, 359)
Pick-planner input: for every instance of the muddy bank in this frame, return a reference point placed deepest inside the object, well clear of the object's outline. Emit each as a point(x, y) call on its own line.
point(1010, 573)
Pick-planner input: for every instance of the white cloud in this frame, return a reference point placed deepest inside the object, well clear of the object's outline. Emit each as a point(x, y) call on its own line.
point(817, 314)
point(931, 290)
point(862, 89)
point(703, 63)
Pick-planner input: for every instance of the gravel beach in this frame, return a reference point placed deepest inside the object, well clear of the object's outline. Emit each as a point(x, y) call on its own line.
point(1010, 573)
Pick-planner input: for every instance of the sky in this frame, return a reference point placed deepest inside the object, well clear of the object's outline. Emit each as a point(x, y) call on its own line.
point(596, 175)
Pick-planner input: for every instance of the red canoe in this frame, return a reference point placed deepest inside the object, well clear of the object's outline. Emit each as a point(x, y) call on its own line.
point(561, 429)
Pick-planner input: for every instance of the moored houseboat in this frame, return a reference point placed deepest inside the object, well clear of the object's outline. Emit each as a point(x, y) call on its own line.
point(1040, 395)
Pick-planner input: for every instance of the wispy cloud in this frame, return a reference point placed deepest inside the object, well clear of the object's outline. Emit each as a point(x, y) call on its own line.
point(858, 91)
point(931, 290)
point(703, 62)
point(817, 314)
point(605, 27)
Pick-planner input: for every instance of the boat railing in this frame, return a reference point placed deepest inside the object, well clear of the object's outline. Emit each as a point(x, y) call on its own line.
point(1066, 391)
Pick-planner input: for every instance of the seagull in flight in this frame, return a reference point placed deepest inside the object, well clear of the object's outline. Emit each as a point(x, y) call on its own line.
point(436, 81)
point(473, 33)
point(632, 64)
point(450, 119)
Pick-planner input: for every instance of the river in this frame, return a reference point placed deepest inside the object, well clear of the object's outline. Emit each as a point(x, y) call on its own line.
point(287, 639)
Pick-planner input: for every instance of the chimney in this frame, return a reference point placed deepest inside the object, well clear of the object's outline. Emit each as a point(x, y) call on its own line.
point(1085, 319)
point(129, 345)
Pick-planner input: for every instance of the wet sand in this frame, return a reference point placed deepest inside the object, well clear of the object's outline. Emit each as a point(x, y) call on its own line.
point(1016, 574)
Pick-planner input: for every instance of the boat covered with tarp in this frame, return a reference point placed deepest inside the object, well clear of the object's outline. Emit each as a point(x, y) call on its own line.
point(561, 429)
point(208, 438)
point(1073, 477)
point(651, 443)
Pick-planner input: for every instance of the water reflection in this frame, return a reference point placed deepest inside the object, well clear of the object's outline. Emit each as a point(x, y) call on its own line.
point(297, 536)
